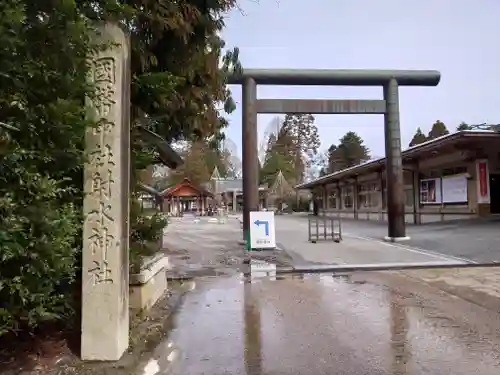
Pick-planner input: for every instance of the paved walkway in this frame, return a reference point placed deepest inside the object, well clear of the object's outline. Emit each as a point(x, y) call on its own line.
point(475, 239)
point(360, 324)
point(292, 236)
point(202, 247)
point(422, 322)
point(478, 285)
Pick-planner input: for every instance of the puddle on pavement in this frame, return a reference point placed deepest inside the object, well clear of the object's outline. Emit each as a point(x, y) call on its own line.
point(311, 324)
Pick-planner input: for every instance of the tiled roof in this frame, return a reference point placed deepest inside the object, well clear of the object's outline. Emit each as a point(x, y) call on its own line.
point(414, 150)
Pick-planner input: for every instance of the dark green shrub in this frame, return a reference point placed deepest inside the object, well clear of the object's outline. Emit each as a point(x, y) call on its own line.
point(301, 206)
point(43, 69)
point(37, 249)
point(146, 234)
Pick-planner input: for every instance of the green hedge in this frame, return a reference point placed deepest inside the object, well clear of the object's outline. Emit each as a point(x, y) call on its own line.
point(43, 82)
point(145, 235)
point(38, 249)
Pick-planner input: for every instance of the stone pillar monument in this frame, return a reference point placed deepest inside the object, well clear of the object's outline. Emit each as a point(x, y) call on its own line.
point(105, 265)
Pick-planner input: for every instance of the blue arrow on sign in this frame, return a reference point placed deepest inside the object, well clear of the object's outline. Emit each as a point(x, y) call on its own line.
point(265, 223)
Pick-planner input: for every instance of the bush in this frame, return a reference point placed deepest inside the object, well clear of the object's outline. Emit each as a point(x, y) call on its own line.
point(37, 249)
point(43, 81)
point(301, 206)
point(146, 232)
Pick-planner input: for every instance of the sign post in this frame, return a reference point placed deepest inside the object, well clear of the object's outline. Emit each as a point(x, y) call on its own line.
point(262, 230)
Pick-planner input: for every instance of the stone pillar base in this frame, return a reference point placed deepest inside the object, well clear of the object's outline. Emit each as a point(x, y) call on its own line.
point(396, 239)
point(149, 285)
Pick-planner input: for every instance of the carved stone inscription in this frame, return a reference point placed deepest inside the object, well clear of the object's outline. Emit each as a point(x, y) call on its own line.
point(101, 235)
point(105, 79)
point(105, 278)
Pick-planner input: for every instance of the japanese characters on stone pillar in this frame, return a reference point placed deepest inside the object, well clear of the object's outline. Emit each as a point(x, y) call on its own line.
point(105, 278)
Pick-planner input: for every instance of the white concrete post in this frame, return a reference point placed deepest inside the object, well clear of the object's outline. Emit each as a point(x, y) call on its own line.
point(105, 274)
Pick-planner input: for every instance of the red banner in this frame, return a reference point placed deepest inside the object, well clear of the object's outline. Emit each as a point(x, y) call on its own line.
point(483, 179)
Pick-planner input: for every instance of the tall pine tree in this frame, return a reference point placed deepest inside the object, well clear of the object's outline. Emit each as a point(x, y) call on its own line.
point(438, 130)
point(418, 138)
point(280, 156)
point(304, 133)
point(349, 152)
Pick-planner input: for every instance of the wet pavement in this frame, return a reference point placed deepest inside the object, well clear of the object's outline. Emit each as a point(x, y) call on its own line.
point(354, 249)
point(370, 323)
point(203, 247)
point(475, 239)
point(199, 247)
point(418, 322)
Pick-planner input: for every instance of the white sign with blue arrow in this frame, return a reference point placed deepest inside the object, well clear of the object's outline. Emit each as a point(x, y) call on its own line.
point(262, 230)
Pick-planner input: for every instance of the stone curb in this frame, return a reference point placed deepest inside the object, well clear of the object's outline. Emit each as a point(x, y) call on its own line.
point(379, 267)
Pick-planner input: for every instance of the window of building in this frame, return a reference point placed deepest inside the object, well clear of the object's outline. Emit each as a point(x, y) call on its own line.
point(362, 196)
point(409, 197)
point(332, 198)
point(368, 195)
point(374, 196)
point(430, 191)
point(348, 196)
point(384, 194)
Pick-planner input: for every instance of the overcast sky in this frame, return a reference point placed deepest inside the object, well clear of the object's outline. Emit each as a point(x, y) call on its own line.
point(460, 38)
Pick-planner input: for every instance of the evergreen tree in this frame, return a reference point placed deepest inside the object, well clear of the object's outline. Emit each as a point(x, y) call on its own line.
point(350, 152)
point(438, 129)
point(280, 191)
point(195, 167)
point(304, 133)
point(280, 156)
point(336, 161)
point(220, 158)
point(463, 126)
point(418, 138)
